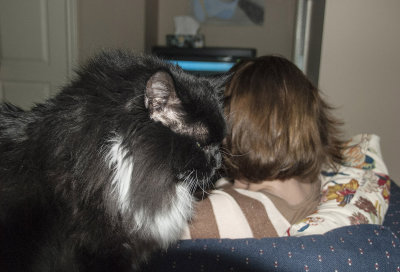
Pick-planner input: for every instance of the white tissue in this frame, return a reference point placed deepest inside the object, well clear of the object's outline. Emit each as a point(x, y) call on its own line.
point(185, 25)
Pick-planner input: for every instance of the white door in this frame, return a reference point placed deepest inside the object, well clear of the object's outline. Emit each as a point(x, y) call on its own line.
point(37, 48)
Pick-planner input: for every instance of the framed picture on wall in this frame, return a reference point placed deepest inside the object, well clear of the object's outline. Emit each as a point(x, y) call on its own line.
point(229, 12)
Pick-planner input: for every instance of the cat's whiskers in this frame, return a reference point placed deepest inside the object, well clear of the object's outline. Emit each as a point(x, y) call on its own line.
point(194, 181)
point(229, 154)
point(190, 181)
point(224, 151)
point(203, 186)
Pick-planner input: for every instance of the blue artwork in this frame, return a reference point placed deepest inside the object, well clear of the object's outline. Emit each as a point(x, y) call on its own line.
point(229, 12)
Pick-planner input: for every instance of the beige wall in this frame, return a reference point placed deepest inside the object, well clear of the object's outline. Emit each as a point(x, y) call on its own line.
point(106, 24)
point(122, 23)
point(274, 37)
point(360, 70)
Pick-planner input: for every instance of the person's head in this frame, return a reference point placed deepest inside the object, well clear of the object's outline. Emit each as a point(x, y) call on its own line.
point(279, 127)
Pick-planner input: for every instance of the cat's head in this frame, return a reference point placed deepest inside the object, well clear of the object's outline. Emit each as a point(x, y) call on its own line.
point(190, 109)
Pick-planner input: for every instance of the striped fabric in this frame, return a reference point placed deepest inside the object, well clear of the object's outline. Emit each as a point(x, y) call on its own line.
point(237, 213)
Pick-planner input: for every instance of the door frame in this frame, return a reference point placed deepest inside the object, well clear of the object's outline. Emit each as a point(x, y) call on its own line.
point(72, 36)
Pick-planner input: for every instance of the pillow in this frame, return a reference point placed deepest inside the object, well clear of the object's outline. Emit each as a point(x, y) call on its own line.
point(357, 194)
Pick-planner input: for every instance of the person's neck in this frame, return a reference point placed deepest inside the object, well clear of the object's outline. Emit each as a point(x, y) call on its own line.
point(293, 190)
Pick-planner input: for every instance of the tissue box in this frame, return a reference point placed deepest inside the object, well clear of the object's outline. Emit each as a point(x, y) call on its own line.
point(186, 41)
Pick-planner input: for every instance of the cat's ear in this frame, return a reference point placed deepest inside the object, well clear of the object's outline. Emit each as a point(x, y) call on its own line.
point(159, 89)
point(161, 99)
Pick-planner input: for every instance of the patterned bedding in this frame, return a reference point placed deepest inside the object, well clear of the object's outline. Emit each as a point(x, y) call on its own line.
point(357, 194)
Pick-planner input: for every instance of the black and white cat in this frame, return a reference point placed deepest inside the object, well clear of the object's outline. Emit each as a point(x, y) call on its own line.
point(102, 174)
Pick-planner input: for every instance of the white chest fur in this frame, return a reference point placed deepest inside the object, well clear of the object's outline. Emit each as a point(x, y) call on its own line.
point(122, 165)
point(165, 225)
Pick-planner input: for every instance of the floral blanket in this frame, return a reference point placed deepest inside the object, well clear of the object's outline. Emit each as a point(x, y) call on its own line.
point(358, 194)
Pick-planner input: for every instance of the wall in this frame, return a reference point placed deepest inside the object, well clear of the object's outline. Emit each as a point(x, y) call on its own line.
point(151, 24)
point(275, 36)
point(105, 23)
point(360, 70)
point(141, 24)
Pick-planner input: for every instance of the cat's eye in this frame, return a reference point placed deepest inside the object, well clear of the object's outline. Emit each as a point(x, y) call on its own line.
point(198, 144)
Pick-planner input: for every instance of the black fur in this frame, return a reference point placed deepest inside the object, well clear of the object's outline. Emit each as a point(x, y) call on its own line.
point(62, 205)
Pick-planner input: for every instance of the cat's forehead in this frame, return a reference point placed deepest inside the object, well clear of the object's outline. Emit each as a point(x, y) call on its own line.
point(205, 109)
point(187, 104)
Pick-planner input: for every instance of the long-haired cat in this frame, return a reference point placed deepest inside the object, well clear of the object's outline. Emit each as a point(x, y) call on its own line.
point(102, 174)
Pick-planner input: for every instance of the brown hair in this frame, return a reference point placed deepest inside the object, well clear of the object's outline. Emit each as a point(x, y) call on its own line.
point(278, 125)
